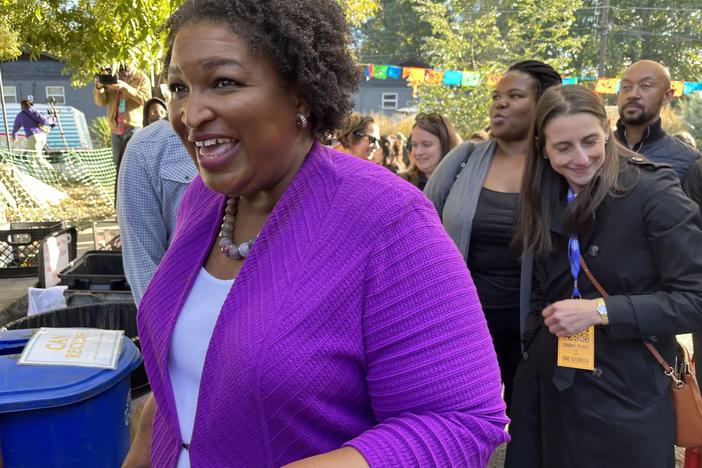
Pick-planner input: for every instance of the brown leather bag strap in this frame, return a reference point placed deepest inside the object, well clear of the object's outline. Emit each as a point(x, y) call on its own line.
point(592, 279)
point(669, 371)
point(601, 290)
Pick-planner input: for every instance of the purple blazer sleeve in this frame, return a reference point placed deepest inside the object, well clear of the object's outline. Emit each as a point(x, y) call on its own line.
point(432, 374)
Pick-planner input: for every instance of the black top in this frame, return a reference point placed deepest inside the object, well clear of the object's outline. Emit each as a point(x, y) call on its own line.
point(422, 181)
point(493, 264)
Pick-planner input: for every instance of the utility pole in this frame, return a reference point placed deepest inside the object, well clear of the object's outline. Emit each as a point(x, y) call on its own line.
point(4, 114)
point(604, 30)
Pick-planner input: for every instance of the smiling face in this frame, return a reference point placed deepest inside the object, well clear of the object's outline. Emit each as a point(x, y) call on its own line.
point(512, 109)
point(426, 150)
point(232, 112)
point(575, 146)
point(368, 142)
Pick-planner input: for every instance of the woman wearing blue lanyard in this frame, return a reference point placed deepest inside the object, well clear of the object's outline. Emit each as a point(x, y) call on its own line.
point(599, 399)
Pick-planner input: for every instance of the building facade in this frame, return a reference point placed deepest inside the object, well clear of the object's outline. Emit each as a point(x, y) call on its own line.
point(42, 79)
point(387, 97)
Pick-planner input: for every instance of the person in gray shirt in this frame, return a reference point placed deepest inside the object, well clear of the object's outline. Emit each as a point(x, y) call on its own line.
point(156, 169)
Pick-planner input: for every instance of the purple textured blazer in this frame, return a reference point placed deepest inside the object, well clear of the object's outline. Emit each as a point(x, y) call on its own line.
point(353, 321)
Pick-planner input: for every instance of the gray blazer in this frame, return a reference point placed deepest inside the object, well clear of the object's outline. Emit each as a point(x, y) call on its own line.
point(454, 189)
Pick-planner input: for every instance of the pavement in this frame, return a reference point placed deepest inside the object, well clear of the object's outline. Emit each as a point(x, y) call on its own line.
point(13, 291)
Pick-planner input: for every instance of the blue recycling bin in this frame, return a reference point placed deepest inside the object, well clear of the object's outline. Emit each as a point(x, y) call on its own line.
point(63, 416)
point(13, 341)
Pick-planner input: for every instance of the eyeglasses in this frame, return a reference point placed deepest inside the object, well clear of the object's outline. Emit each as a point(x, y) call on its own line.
point(371, 139)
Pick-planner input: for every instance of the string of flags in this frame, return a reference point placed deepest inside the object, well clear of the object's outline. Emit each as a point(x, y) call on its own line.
point(416, 76)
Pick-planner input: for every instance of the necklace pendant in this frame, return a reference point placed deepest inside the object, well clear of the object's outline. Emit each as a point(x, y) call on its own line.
point(233, 252)
point(245, 248)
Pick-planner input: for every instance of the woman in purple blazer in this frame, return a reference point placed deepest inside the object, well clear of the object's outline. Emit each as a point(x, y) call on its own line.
point(310, 310)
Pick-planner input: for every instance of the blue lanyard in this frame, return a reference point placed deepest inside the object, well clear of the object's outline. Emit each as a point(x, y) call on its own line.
point(574, 254)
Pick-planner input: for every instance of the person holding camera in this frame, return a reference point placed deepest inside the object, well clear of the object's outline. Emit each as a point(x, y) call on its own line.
point(36, 127)
point(124, 95)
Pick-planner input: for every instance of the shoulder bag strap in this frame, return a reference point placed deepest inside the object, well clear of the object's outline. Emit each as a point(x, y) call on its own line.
point(666, 367)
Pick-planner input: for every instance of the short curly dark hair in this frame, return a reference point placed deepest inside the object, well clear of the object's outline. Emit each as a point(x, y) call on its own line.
point(306, 40)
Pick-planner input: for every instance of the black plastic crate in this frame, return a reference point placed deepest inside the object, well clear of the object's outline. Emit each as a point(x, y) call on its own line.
point(20, 244)
point(96, 270)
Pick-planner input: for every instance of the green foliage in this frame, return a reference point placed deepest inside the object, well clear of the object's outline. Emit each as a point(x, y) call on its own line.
point(541, 29)
point(466, 107)
point(9, 40)
point(359, 11)
point(100, 132)
point(395, 34)
point(692, 112)
point(88, 34)
point(486, 37)
point(670, 33)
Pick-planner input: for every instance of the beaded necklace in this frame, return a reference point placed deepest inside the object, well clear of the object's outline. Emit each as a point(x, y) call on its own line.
point(226, 234)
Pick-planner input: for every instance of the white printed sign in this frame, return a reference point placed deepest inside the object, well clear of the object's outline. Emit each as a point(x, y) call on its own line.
point(83, 347)
point(56, 257)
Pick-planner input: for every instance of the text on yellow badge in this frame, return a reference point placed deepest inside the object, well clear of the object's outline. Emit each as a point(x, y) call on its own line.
point(577, 351)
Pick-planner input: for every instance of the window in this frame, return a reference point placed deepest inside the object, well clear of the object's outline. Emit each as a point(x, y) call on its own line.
point(56, 92)
point(10, 94)
point(389, 101)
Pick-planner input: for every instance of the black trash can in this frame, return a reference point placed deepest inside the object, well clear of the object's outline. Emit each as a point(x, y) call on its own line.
point(95, 277)
point(106, 316)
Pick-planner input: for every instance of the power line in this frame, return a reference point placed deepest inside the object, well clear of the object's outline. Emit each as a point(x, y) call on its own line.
point(635, 32)
point(601, 7)
point(611, 7)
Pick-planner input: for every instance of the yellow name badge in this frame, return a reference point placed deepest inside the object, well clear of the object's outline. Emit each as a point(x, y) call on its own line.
point(577, 351)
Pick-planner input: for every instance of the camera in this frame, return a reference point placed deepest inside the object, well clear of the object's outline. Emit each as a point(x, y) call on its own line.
point(106, 77)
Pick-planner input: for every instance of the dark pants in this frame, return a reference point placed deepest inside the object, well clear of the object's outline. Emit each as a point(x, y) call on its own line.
point(524, 450)
point(505, 339)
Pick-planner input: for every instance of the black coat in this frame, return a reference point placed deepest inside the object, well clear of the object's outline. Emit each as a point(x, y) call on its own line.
point(661, 147)
point(643, 248)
